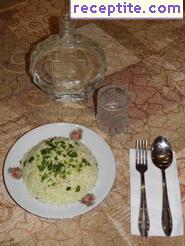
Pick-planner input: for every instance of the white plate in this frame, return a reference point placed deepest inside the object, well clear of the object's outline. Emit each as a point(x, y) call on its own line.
point(92, 140)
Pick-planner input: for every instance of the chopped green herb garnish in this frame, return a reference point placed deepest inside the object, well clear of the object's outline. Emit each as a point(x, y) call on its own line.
point(41, 167)
point(51, 143)
point(49, 166)
point(72, 154)
point(78, 188)
point(63, 145)
point(44, 177)
point(31, 159)
point(84, 160)
point(68, 188)
point(45, 151)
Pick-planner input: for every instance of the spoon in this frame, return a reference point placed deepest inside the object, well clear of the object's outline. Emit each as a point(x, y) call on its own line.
point(162, 156)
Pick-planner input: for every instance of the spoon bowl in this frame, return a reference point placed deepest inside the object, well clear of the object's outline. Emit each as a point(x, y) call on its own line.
point(161, 152)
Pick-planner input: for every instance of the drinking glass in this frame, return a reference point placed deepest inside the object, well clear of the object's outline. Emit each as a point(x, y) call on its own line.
point(112, 109)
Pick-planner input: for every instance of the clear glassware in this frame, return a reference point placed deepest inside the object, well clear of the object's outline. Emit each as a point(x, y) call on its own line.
point(67, 65)
point(112, 109)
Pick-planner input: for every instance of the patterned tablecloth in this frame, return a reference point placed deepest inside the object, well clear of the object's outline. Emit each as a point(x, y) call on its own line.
point(146, 56)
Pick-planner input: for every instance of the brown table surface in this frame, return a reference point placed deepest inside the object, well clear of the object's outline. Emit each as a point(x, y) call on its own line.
point(146, 56)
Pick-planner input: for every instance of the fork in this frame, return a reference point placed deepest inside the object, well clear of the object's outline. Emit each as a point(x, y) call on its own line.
point(141, 167)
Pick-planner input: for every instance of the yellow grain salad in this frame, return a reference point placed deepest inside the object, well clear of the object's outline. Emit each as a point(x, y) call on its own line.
point(59, 170)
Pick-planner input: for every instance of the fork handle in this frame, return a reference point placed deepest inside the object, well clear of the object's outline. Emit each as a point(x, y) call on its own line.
point(143, 221)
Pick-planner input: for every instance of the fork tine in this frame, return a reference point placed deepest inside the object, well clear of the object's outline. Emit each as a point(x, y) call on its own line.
point(141, 151)
point(146, 161)
point(144, 151)
point(137, 151)
point(136, 147)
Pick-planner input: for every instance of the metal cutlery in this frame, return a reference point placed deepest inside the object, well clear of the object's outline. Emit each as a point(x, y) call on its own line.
point(162, 156)
point(141, 167)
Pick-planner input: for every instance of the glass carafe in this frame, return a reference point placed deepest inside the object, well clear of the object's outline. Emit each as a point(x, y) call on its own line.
point(67, 65)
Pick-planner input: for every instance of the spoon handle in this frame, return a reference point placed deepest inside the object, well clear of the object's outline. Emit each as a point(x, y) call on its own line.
point(167, 223)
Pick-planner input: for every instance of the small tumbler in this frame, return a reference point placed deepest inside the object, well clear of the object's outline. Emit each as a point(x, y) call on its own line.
point(112, 109)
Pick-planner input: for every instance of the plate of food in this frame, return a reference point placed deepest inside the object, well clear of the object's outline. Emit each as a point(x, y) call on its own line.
point(59, 170)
